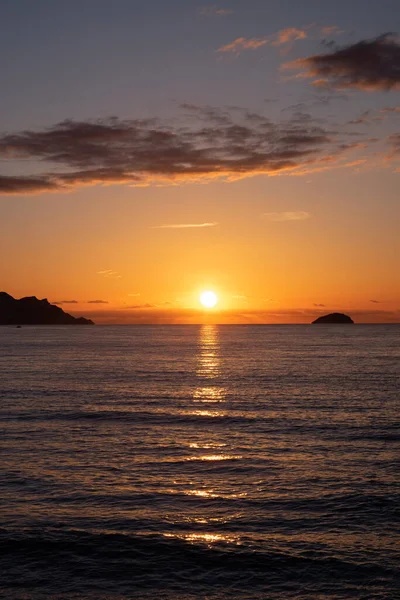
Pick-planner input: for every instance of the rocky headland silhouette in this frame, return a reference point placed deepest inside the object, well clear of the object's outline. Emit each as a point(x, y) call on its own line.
point(334, 318)
point(32, 311)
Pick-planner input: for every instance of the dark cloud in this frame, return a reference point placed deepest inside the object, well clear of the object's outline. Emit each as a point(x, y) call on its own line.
point(66, 302)
point(394, 141)
point(212, 143)
point(368, 117)
point(27, 185)
point(97, 302)
point(375, 301)
point(319, 305)
point(367, 65)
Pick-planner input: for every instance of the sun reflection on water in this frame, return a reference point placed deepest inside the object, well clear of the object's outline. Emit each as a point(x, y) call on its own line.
point(209, 391)
point(212, 457)
point(205, 538)
point(209, 394)
point(209, 363)
point(208, 413)
point(207, 445)
point(209, 366)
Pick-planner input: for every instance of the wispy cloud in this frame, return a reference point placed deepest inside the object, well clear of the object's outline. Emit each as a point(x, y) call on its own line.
point(214, 11)
point(281, 38)
point(391, 109)
point(289, 35)
point(331, 30)
point(66, 302)
point(109, 273)
point(242, 43)
point(367, 65)
point(141, 306)
point(184, 226)
point(375, 301)
point(97, 302)
point(363, 119)
point(287, 216)
point(319, 305)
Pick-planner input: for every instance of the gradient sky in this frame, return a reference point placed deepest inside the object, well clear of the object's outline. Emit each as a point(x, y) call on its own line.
point(152, 150)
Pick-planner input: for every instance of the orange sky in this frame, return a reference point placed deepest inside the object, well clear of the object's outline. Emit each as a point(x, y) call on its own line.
point(241, 169)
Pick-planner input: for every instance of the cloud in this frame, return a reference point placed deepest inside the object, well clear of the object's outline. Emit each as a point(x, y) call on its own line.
point(391, 109)
point(26, 185)
point(110, 273)
point(242, 43)
point(185, 226)
point(375, 301)
point(214, 11)
point(97, 302)
point(319, 305)
point(394, 141)
point(360, 121)
point(210, 143)
point(141, 306)
point(331, 30)
point(367, 65)
point(326, 99)
point(66, 302)
point(287, 216)
point(286, 36)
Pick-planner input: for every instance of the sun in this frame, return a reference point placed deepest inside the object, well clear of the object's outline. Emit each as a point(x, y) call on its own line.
point(208, 299)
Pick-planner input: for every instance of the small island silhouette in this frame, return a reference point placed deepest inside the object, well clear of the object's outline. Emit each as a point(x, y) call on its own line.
point(334, 318)
point(32, 311)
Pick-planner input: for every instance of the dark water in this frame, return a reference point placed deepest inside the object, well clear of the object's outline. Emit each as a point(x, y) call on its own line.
point(200, 462)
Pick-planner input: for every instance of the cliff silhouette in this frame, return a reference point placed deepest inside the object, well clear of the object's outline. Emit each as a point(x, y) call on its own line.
point(336, 318)
point(32, 311)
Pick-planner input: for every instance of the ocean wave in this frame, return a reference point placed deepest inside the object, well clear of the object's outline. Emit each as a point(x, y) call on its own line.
point(29, 559)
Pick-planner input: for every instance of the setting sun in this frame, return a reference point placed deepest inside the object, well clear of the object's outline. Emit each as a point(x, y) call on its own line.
point(208, 299)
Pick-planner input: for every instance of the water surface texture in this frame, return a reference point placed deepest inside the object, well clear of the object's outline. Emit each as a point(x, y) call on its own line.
point(189, 462)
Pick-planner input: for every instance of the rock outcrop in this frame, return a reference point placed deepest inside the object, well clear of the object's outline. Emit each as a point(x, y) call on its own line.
point(334, 318)
point(32, 311)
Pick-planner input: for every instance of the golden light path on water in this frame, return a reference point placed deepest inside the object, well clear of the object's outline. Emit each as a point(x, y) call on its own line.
point(209, 368)
point(205, 538)
point(210, 392)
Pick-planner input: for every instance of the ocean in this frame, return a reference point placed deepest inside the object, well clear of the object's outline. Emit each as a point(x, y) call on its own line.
point(200, 462)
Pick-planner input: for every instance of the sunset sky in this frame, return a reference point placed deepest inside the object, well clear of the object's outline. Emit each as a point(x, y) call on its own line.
point(153, 150)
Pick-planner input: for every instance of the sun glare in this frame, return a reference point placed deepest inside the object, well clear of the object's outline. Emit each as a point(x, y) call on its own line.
point(208, 299)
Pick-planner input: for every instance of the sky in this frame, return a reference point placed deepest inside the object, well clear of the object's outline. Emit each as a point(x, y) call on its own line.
point(153, 150)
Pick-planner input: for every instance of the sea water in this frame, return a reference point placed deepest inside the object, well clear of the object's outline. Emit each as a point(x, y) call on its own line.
point(188, 462)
